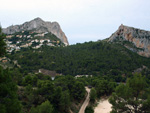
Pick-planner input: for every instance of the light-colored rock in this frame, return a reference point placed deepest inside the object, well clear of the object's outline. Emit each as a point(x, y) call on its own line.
point(139, 38)
point(39, 26)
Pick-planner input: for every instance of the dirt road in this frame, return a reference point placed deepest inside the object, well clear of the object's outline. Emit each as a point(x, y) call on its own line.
point(86, 102)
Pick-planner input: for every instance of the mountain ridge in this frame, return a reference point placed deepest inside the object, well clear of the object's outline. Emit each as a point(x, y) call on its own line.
point(137, 40)
point(39, 26)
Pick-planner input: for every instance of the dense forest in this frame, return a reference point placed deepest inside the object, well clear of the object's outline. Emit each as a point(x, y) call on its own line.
point(37, 93)
point(92, 58)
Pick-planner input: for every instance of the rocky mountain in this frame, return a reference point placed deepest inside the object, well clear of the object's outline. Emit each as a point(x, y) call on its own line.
point(40, 26)
point(134, 39)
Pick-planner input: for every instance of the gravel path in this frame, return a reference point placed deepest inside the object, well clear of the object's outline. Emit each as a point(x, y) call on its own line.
point(86, 102)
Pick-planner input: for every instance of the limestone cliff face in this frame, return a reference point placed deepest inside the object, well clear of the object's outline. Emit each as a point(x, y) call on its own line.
point(40, 26)
point(139, 39)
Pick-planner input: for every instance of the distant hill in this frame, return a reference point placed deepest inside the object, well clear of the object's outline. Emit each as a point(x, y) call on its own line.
point(39, 26)
point(92, 58)
point(136, 40)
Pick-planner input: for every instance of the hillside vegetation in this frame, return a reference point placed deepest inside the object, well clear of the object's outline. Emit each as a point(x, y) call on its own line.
point(92, 58)
point(23, 90)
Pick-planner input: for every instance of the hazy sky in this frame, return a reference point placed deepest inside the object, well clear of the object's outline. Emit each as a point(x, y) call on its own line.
point(81, 20)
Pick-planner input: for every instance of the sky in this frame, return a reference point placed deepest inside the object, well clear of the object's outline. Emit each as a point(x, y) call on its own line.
point(81, 20)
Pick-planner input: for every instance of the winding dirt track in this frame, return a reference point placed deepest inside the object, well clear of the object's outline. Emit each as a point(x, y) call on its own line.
point(86, 102)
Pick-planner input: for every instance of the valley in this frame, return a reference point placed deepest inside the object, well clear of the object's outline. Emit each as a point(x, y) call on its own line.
point(41, 73)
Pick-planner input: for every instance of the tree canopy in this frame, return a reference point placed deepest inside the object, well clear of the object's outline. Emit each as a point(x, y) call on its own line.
point(45, 107)
point(92, 58)
point(9, 102)
point(93, 95)
point(2, 43)
point(132, 97)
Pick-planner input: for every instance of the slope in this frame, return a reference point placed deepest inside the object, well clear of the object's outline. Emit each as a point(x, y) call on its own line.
point(134, 39)
point(92, 58)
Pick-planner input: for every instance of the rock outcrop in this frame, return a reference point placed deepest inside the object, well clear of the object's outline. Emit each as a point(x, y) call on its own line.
point(40, 26)
point(134, 39)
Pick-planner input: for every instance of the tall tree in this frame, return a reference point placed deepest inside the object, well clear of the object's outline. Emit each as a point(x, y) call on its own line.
point(66, 101)
point(9, 102)
point(2, 43)
point(78, 90)
point(89, 109)
point(45, 107)
point(131, 97)
point(58, 101)
point(46, 89)
point(93, 95)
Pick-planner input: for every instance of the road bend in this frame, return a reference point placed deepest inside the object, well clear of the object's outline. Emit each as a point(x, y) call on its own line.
point(86, 102)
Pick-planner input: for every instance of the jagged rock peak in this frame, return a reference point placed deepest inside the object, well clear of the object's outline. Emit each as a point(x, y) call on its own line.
point(139, 38)
point(38, 19)
point(39, 25)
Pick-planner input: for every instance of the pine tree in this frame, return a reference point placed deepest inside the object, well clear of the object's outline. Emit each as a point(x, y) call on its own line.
point(2, 43)
point(132, 97)
point(9, 102)
point(45, 107)
point(93, 95)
